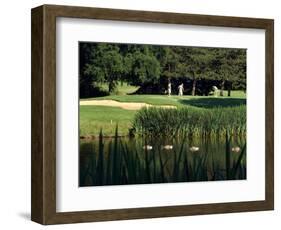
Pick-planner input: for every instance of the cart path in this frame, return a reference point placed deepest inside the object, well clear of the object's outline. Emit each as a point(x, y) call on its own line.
point(124, 105)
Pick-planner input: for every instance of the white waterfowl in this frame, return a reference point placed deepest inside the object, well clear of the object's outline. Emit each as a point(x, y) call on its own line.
point(147, 147)
point(194, 149)
point(235, 149)
point(167, 147)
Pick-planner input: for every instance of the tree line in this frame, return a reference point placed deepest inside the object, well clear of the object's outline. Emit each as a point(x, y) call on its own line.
point(154, 66)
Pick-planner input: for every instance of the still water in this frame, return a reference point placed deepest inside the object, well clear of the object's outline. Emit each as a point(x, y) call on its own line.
point(120, 161)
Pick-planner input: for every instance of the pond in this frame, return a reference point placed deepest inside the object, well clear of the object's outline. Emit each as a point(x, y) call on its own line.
point(121, 161)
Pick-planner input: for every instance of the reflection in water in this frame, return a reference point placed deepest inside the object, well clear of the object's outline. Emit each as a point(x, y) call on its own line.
point(119, 161)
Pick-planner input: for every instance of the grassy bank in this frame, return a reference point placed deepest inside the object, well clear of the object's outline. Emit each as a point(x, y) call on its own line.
point(95, 118)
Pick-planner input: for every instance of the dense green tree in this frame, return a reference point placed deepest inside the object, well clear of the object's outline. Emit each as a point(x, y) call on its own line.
point(105, 65)
point(194, 64)
point(170, 61)
point(239, 77)
point(85, 81)
point(146, 65)
point(142, 67)
point(145, 68)
point(228, 65)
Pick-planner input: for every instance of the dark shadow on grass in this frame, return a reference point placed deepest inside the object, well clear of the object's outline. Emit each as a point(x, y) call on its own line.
point(213, 102)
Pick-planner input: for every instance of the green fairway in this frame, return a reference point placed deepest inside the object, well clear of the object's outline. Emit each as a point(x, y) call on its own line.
point(94, 118)
point(237, 98)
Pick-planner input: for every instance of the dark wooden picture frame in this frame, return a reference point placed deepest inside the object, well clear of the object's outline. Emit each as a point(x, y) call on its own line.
point(43, 197)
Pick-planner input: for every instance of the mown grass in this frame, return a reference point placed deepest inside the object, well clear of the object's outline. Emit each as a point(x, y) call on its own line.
point(174, 122)
point(121, 163)
point(237, 98)
point(95, 118)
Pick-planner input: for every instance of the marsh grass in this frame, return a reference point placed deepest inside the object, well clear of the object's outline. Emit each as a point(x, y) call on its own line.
point(205, 122)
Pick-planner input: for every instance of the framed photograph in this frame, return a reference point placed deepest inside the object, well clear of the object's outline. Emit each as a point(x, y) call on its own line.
point(141, 114)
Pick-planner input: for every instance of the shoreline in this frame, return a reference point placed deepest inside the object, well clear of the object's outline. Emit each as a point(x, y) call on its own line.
point(92, 137)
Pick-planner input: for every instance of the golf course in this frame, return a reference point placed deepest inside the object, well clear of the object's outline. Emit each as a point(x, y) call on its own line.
point(108, 111)
point(161, 114)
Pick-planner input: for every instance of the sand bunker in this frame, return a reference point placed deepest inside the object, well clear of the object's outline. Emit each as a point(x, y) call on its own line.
point(123, 105)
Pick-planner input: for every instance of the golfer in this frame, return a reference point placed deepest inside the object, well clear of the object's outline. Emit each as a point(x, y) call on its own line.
point(180, 89)
point(169, 89)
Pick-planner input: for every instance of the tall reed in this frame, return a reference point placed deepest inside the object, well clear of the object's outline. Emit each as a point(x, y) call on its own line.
point(175, 122)
point(122, 163)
